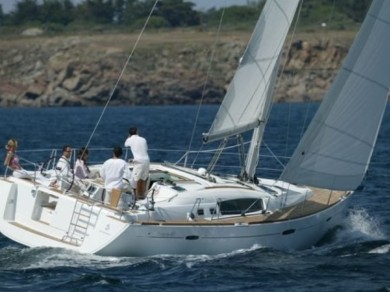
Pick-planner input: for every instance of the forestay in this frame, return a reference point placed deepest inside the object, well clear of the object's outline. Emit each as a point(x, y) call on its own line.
point(337, 146)
point(244, 105)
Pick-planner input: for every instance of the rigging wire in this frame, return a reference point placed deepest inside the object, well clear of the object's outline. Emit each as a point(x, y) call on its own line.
point(324, 26)
point(122, 72)
point(283, 68)
point(304, 125)
point(205, 83)
point(273, 155)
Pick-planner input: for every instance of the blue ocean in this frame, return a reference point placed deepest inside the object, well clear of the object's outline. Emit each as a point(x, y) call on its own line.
point(356, 257)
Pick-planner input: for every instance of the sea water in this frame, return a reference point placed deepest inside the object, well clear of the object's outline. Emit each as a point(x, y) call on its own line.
point(355, 257)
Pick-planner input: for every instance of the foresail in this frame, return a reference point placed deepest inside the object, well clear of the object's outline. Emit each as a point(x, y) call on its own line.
point(243, 107)
point(337, 146)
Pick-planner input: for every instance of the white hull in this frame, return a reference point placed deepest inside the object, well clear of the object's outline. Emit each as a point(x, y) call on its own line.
point(38, 216)
point(141, 240)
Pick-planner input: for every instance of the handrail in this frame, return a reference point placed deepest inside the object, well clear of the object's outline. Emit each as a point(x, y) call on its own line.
point(32, 159)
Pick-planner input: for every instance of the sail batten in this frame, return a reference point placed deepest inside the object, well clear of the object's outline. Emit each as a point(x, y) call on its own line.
point(336, 149)
point(245, 102)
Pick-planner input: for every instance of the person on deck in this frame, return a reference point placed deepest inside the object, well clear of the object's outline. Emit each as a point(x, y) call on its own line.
point(12, 160)
point(63, 169)
point(63, 164)
point(113, 171)
point(81, 169)
point(139, 149)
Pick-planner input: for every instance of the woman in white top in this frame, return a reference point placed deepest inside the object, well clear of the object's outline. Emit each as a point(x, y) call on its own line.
point(81, 169)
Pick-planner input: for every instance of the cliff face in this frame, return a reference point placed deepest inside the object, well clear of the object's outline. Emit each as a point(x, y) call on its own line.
point(178, 67)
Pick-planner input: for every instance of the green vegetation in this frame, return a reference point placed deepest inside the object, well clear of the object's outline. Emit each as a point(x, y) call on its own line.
point(61, 16)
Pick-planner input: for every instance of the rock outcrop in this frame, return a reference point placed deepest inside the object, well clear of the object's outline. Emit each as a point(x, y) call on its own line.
point(179, 67)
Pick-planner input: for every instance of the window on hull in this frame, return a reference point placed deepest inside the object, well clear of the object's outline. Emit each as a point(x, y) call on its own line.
point(239, 206)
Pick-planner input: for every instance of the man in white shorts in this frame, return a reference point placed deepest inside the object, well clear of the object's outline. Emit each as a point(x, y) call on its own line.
point(139, 149)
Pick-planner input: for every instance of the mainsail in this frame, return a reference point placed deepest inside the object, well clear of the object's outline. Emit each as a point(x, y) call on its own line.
point(245, 102)
point(336, 149)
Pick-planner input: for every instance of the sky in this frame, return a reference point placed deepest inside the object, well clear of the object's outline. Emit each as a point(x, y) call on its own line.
point(8, 5)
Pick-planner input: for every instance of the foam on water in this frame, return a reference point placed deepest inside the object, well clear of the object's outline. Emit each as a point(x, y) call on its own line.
point(360, 224)
point(381, 249)
point(46, 258)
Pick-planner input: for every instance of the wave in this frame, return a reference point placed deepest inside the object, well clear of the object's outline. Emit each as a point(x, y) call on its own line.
point(360, 234)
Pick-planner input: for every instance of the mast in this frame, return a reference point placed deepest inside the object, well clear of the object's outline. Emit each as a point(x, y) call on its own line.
point(258, 132)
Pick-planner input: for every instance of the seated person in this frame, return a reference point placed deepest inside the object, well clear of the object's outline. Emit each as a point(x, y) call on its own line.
point(12, 160)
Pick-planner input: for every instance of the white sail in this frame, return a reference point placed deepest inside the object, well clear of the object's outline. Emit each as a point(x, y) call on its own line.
point(337, 146)
point(243, 107)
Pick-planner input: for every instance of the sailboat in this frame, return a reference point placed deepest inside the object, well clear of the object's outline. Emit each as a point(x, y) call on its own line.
point(195, 211)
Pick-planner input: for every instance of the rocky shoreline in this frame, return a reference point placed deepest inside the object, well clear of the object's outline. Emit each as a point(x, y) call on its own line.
point(168, 67)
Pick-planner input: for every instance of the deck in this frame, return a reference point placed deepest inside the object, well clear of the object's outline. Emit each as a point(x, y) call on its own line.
point(321, 200)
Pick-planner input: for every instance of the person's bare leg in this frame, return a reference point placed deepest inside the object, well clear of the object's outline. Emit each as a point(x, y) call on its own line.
point(140, 192)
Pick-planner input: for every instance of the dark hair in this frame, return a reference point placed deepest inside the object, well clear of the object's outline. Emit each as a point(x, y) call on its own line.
point(117, 151)
point(133, 131)
point(64, 148)
point(82, 152)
